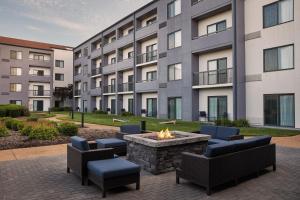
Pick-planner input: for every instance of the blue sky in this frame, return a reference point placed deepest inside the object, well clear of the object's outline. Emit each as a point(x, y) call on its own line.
point(66, 22)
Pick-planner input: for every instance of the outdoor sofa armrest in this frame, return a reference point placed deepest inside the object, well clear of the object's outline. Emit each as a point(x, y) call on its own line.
point(194, 164)
point(97, 154)
point(235, 137)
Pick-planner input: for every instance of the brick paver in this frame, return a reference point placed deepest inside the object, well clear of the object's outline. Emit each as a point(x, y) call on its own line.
point(45, 178)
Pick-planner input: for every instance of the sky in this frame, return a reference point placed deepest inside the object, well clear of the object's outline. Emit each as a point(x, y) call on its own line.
point(65, 22)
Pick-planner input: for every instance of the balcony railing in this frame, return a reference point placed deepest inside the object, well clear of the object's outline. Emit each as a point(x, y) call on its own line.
point(39, 93)
point(96, 71)
point(145, 81)
point(76, 73)
point(213, 77)
point(147, 57)
point(209, 34)
point(125, 87)
point(39, 75)
point(109, 89)
point(77, 92)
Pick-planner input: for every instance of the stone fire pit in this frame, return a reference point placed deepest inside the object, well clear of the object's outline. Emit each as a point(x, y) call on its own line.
point(163, 155)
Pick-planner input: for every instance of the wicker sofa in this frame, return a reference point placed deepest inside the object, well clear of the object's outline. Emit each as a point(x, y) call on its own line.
point(228, 161)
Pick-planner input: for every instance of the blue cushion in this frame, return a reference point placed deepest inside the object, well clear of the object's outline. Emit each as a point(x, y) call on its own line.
point(219, 149)
point(209, 130)
point(216, 141)
point(114, 167)
point(130, 129)
point(110, 143)
point(224, 132)
point(80, 143)
point(252, 142)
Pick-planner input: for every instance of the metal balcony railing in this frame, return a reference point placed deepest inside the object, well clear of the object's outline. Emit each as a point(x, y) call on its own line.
point(39, 93)
point(147, 57)
point(125, 87)
point(213, 77)
point(109, 89)
point(96, 71)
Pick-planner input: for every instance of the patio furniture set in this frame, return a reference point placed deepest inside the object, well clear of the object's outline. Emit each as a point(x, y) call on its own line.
point(213, 156)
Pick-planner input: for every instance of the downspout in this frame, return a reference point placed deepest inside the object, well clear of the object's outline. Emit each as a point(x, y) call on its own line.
point(235, 99)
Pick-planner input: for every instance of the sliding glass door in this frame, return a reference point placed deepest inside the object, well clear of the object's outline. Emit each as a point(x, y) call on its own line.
point(279, 110)
point(217, 107)
point(174, 108)
point(151, 107)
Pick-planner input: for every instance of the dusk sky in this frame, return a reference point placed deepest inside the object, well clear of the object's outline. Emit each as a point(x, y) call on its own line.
point(66, 22)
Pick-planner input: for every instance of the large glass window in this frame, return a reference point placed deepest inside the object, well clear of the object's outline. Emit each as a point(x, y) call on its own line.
point(59, 77)
point(130, 105)
point(15, 87)
point(279, 58)
point(174, 108)
point(217, 27)
point(15, 71)
point(217, 107)
point(277, 13)
point(59, 63)
point(279, 110)
point(17, 102)
point(174, 72)
point(217, 71)
point(174, 40)
point(151, 107)
point(151, 76)
point(16, 55)
point(174, 8)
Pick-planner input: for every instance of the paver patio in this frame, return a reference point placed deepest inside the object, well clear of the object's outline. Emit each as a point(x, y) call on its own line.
point(45, 178)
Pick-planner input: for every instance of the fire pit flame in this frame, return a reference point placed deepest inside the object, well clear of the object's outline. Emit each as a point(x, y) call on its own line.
point(165, 134)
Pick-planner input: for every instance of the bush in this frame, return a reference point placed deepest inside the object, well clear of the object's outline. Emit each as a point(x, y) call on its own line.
point(125, 114)
point(8, 122)
point(43, 133)
point(100, 112)
point(32, 119)
point(241, 123)
point(223, 122)
point(14, 124)
point(26, 130)
point(3, 131)
point(68, 129)
point(12, 110)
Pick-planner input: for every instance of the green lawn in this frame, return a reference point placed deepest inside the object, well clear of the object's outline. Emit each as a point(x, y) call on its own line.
point(153, 124)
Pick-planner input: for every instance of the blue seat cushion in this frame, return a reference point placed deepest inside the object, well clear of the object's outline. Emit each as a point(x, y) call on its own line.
point(219, 149)
point(114, 167)
point(110, 143)
point(209, 130)
point(224, 133)
point(216, 141)
point(252, 142)
point(130, 129)
point(80, 143)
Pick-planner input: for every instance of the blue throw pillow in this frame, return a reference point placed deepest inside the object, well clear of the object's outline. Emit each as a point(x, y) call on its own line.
point(80, 143)
point(219, 149)
point(209, 130)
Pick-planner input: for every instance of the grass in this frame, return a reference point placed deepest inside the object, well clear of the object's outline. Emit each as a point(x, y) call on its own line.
point(152, 124)
point(41, 114)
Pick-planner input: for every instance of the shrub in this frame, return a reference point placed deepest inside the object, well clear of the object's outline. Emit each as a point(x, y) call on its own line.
point(14, 124)
point(125, 114)
point(12, 110)
point(3, 131)
point(32, 119)
point(223, 122)
point(26, 130)
point(100, 112)
point(68, 129)
point(241, 123)
point(8, 122)
point(43, 133)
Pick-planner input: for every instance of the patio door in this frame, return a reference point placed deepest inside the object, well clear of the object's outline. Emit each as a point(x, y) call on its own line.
point(217, 71)
point(38, 90)
point(130, 105)
point(174, 108)
point(130, 83)
point(38, 105)
point(113, 106)
point(151, 107)
point(150, 54)
point(217, 107)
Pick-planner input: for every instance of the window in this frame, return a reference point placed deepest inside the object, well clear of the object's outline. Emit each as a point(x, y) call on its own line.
point(38, 72)
point(17, 102)
point(77, 70)
point(113, 60)
point(279, 110)
point(217, 27)
point(174, 8)
point(174, 108)
point(113, 39)
point(85, 70)
point(279, 58)
point(130, 54)
point(130, 106)
point(85, 52)
point(174, 40)
point(150, 21)
point(38, 105)
point(78, 54)
point(151, 76)
point(15, 71)
point(151, 107)
point(217, 108)
point(85, 86)
point(59, 63)
point(16, 55)
point(15, 87)
point(174, 72)
point(277, 13)
point(217, 71)
point(59, 77)
point(130, 30)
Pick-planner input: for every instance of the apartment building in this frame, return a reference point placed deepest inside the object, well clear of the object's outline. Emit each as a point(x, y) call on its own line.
point(196, 60)
point(32, 71)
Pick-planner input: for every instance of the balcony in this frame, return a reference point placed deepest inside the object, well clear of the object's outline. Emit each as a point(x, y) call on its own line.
point(201, 8)
point(146, 86)
point(125, 40)
point(96, 91)
point(77, 92)
point(147, 58)
point(208, 42)
point(109, 68)
point(142, 32)
point(109, 89)
point(125, 88)
point(212, 79)
point(97, 71)
point(40, 78)
point(39, 93)
point(125, 64)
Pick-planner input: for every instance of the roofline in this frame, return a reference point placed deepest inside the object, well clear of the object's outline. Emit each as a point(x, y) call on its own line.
point(99, 33)
point(15, 45)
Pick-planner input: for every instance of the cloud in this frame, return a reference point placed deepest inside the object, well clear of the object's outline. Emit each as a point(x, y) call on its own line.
point(34, 28)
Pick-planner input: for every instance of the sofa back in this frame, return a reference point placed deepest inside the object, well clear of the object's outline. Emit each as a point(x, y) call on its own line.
point(130, 129)
point(236, 145)
point(219, 132)
point(80, 143)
